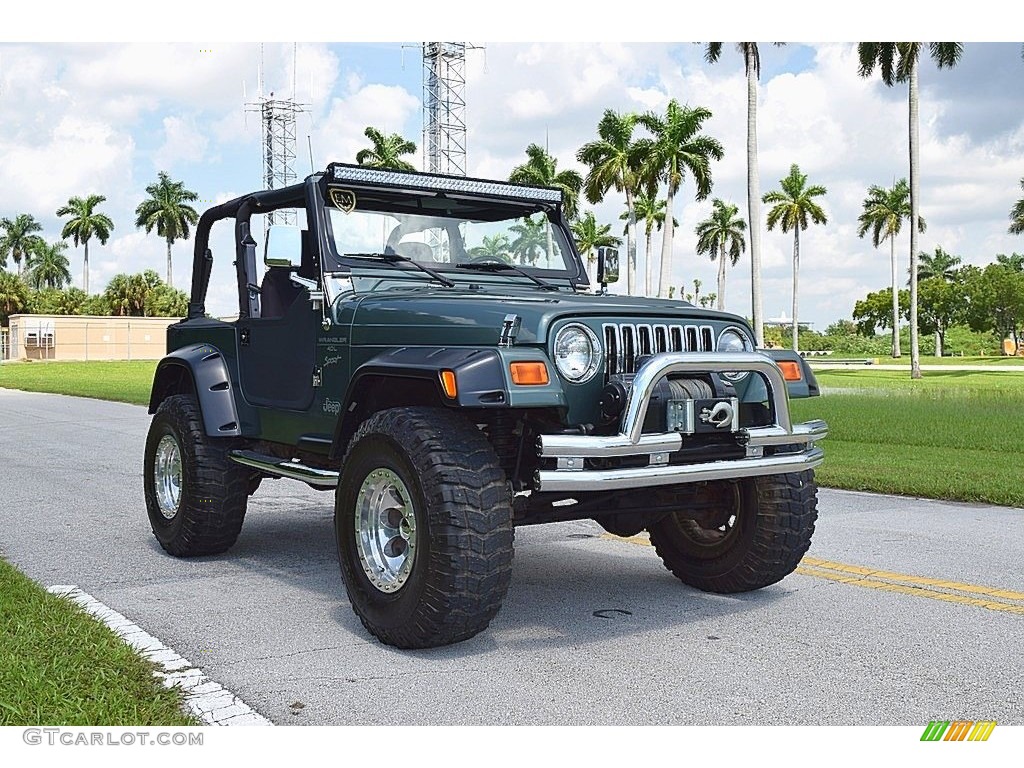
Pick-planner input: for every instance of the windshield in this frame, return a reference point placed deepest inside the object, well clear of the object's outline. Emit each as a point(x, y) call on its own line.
point(455, 234)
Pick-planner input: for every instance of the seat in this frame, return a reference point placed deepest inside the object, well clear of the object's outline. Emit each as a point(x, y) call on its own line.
point(278, 292)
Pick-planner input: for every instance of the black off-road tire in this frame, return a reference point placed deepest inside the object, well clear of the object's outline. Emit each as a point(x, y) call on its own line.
point(461, 502)
point(213, 489)
point(774, 522)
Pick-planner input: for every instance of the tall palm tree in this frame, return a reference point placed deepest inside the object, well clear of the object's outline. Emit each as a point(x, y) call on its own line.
point(589, 235)
point(884, 213)
point(168, 211)
point(677, 147)
point(897, 63)
point(19, 239)
point(752, 65)
point(615, 163)
point(718, 234)
point(651, 212)
point(938, 264)
point(49, 266)
point(541, 170)
point(386, 151)
point(794, 208)
point(85, 222)
point(1017, 215)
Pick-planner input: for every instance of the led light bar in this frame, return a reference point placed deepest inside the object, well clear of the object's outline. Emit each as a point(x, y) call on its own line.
point(434, 183)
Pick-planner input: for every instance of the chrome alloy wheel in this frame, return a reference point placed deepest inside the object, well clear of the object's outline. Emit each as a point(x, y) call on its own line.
point(167, 476)
point(385, 526)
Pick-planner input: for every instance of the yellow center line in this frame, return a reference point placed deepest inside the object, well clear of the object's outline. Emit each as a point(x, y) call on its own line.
point(871, 578)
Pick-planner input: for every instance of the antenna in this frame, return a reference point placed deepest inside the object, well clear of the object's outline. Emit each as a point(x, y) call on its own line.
point(277, 123)
point(444, 107)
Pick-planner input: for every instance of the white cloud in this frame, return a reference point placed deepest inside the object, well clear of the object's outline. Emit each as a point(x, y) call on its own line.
point(339, 136)
point(183, 142)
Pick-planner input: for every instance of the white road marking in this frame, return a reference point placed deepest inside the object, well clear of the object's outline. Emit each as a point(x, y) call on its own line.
point(209, 701)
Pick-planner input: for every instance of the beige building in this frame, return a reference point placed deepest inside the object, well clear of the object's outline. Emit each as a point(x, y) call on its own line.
point(85, 337)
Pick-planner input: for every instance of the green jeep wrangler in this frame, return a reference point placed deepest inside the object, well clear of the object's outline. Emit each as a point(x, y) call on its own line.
point(429, 348)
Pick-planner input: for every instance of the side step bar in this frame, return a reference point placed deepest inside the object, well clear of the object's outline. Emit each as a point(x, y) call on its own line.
point(272, 465)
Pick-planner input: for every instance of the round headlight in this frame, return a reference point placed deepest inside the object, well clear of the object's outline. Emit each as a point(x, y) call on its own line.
point(734, 340)
point(577, 353)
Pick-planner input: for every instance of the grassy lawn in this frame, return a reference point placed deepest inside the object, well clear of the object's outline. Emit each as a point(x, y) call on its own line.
point(59, 666)
point(949, 435)
point(124, 381)
point(925, 360)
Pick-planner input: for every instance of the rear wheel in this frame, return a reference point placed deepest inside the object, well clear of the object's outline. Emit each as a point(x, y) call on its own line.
point(195, 495)
point(760, 530)
point(423, 520)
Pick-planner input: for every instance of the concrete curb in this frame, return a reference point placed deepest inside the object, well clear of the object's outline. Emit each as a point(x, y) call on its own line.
point(207, 700)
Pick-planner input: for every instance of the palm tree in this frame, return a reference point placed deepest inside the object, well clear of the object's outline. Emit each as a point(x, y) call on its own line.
point(883, 215)
point(167, 209)
point(752, 65)
point(897, 63)
point(938, 264)
point(13, 295)
point(677, 147)
point(615, 162)
point(49, 267)
point(531, 236)
point(792, 206)
point(1017, 215)
point(386, 151)
point(589, 235)
point(85, 223)
point(651, 211)
point(719, 233)
point(19, 238)
point(541, 170)
point(493, 247)
point(1014, 261)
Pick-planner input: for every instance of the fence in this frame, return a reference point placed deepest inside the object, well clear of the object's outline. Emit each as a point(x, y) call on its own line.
point(79, 337)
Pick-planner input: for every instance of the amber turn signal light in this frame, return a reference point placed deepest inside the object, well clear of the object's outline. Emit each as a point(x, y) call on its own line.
point(448, 384)
point(529, 373)
point(790, 370)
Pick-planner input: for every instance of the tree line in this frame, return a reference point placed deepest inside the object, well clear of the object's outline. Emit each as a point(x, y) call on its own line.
point(41, 282)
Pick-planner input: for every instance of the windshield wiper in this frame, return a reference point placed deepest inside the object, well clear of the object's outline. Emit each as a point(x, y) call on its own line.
point(500, 266)
point(395, 258)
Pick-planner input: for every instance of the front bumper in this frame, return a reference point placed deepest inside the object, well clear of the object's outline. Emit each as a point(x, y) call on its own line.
point(791, 448)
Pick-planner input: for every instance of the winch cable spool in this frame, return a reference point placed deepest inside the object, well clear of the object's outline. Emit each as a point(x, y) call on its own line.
point(689, 389)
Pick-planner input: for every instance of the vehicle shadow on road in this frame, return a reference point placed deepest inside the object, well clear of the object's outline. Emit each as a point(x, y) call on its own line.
point(568, 588)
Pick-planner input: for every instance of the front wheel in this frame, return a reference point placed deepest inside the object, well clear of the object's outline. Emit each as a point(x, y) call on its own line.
point(756, 536)
point(423, 521)
point(195, 495)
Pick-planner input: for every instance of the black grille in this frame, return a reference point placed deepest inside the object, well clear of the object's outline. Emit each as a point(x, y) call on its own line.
point(625, 342)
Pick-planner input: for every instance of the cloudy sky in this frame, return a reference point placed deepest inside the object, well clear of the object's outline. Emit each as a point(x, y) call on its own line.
point(78, 118)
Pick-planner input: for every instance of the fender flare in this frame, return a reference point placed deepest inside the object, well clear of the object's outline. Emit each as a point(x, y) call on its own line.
point(205, 365)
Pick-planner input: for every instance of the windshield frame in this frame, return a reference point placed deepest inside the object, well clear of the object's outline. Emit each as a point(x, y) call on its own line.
point(409, 202)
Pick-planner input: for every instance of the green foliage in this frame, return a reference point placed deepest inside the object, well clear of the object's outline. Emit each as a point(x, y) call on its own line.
point(52, 301)
point(541, 170)
point(722, 233)
point(613, 159)
point(387, 151)
point(875, 310)
point(494, 247)
point(938, 264)
point(60, 666)
point(14, 296)
point(895, 61)
point(85, 222)
point(168, 211)
point(1017, 215)
point(165, 301)
point(19, 240)
point(793, 204)
point(589, 235)
point(48, 266)
point(884, 212)
point(531, 238)
point(678, 146)
point(126, 295)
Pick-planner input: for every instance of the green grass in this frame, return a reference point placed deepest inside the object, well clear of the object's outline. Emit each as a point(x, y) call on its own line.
point(60, 666)
point(926, 360)
point(124, 381)
point(951, 435)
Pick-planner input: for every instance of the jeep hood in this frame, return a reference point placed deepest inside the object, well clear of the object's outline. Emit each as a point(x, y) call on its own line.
point(463, 317)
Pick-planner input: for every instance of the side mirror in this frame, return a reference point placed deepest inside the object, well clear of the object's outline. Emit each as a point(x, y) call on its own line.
point(284, 246)
point(607, 266)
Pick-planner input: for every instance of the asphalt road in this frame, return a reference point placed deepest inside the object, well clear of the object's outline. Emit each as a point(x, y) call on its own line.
point(836, 643)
